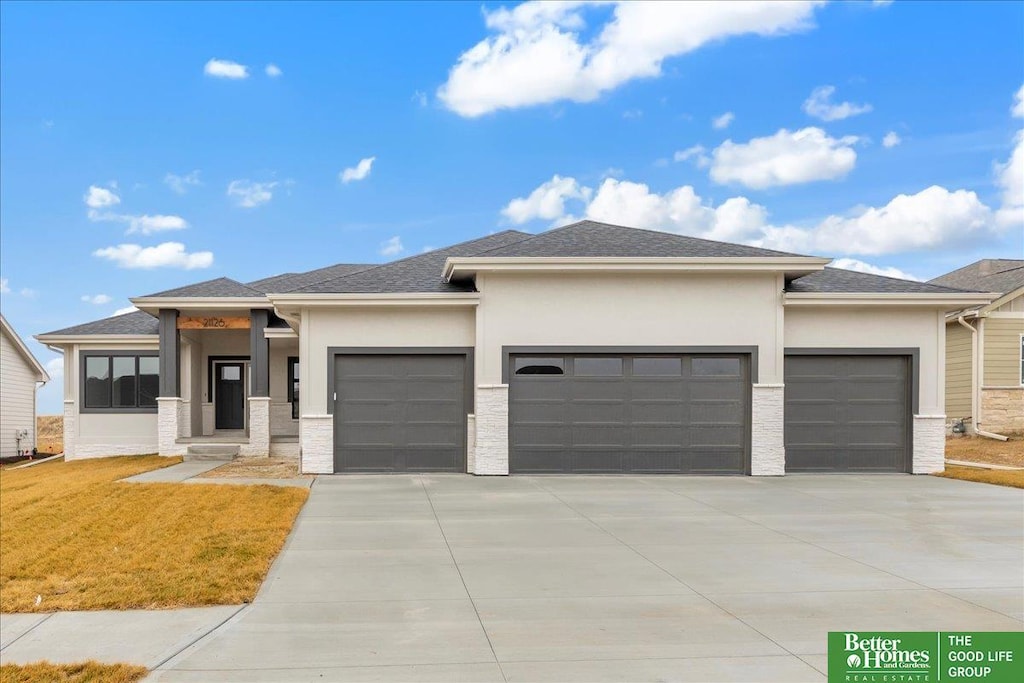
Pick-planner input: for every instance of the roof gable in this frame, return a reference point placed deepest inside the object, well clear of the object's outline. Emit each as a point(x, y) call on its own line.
point(987, 275)
point(596, 240)
point(134, 323)
point(289, 282)
point(838, 280)
point(23, 350)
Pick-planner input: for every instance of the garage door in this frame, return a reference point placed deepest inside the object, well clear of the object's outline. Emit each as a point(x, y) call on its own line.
point(628, 413)
point(847, 413)
point(400, 413)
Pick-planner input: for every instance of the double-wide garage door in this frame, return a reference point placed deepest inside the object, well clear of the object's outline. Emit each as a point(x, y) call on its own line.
point(629, 413)
point(847, 413)
point(400, 413)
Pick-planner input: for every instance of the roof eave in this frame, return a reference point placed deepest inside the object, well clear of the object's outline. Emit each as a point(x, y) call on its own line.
point(152, 304)
point(311, 299)
point(93, 338)
point(937, 299)
point(456, 267)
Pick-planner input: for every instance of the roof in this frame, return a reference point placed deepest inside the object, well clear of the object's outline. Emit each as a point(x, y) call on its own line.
point(838, 280)
point(415, 274)
point(593, 239)
point(219, 287)
point(289, 282)
point(19, 344)
point(987, 275)
point(136, 322)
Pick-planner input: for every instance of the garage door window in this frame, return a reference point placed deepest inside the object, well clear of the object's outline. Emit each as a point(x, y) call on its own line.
point(540, 366)
point(716, 367)
point(597, 367)
point(657, 367)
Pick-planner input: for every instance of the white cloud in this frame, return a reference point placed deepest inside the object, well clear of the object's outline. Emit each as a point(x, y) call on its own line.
point(273, 70)
point(223, 68)
point(126, 309)
point(100, 198)
point(537, 55)
point(934, 217)
point(420, 98)
point(547, 201)
point(722, 122)
point(96, 299)
point(358, 172)
point(786, 158)
point(1018, 103)
point(861, 267)
point(147, 225)
point(820, 105)
point(697, 153)
point(891, 139)
point(55, 367)
point(5, 287)
point(391, 247)
point(166, 255)
point(250, 194)
point(1010, 178)
point(181, 183)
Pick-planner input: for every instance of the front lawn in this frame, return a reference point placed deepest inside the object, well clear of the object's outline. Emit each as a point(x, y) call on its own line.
point(1001, 477)
point(87, 672)
point(73, 537)
point(989, 451)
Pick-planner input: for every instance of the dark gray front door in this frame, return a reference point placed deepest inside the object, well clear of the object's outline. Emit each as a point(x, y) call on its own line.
point(629, 413)
point(847, 413)
point(229, 396)
point(400, 413)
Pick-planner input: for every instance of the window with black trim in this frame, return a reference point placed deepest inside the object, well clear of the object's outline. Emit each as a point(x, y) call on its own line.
point(293, 385)
point(120, 382)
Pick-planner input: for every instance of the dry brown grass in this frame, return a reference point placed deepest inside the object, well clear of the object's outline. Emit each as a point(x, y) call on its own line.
point(77, 538)
point(1013, 478)
point(50, 434)
point(980, 449)
point(262, 468)
point(86, 672)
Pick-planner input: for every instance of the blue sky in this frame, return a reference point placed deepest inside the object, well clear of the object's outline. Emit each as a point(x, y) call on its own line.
point(144, 146)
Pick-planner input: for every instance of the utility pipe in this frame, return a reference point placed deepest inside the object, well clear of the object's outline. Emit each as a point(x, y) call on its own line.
point(976, 384)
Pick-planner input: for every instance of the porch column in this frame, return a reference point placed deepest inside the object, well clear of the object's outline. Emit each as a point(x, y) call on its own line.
point(169, 403)
point(259, 389)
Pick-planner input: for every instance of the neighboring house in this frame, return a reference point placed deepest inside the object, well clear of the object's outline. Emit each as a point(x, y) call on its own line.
point(20, 375)
point(985, 348)
point(587, 348)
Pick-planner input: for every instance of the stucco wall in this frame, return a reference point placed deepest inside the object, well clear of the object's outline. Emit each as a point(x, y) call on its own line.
point(17, 399)
point(628, 310)
point(372, 327)
point(959, 371)
point(855, 327)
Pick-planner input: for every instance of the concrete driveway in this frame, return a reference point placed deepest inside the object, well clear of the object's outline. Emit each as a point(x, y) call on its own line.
point(459, 578)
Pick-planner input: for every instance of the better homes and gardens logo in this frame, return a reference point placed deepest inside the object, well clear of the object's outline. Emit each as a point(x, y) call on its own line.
point(925, 657)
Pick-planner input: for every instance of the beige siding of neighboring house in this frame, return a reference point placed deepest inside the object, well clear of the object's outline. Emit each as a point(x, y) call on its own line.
point(959, 371)
point(1002, 351)
point(17, 398)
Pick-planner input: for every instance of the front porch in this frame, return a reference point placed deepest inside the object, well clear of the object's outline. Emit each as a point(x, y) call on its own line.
point(228, 377)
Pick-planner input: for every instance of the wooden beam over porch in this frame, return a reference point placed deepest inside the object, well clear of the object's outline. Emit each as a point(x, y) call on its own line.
point(214, 322)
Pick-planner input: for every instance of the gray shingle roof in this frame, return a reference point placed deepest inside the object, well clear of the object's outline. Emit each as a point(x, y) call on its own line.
point(593, 239)
point(136, 322)
point(420, 273)
point(220, 287)
point(838, 281)
point(987, 275)
point(289, 282)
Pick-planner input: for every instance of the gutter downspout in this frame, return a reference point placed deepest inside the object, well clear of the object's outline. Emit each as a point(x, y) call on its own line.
point(976, 383)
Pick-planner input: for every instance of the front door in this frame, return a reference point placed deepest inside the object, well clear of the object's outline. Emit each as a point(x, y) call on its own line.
point(229, 396)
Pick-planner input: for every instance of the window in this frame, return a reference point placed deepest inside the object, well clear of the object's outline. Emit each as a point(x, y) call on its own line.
point(539, 366)
point(716, 367)
point(589, 366)
point(657, 367)
point(120, 383)
point(293, 385)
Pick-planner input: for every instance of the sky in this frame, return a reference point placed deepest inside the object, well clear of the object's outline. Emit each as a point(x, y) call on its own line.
point(146, 146)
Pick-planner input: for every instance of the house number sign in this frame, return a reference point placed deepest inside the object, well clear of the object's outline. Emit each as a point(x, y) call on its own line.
point(213, 323)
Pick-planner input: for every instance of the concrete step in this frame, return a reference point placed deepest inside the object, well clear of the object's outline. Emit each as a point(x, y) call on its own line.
point(212, 451)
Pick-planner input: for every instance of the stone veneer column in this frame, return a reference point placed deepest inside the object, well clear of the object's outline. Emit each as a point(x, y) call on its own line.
point(259, 428)
point(767, 446)
point(470, 443)
point(70, 428)
point(316, 435)
point(929, 444)
point(169, 425)
point(491, 449)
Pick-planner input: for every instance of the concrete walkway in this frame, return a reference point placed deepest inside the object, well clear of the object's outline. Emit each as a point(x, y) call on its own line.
point(191, 472)
point(460, 578)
